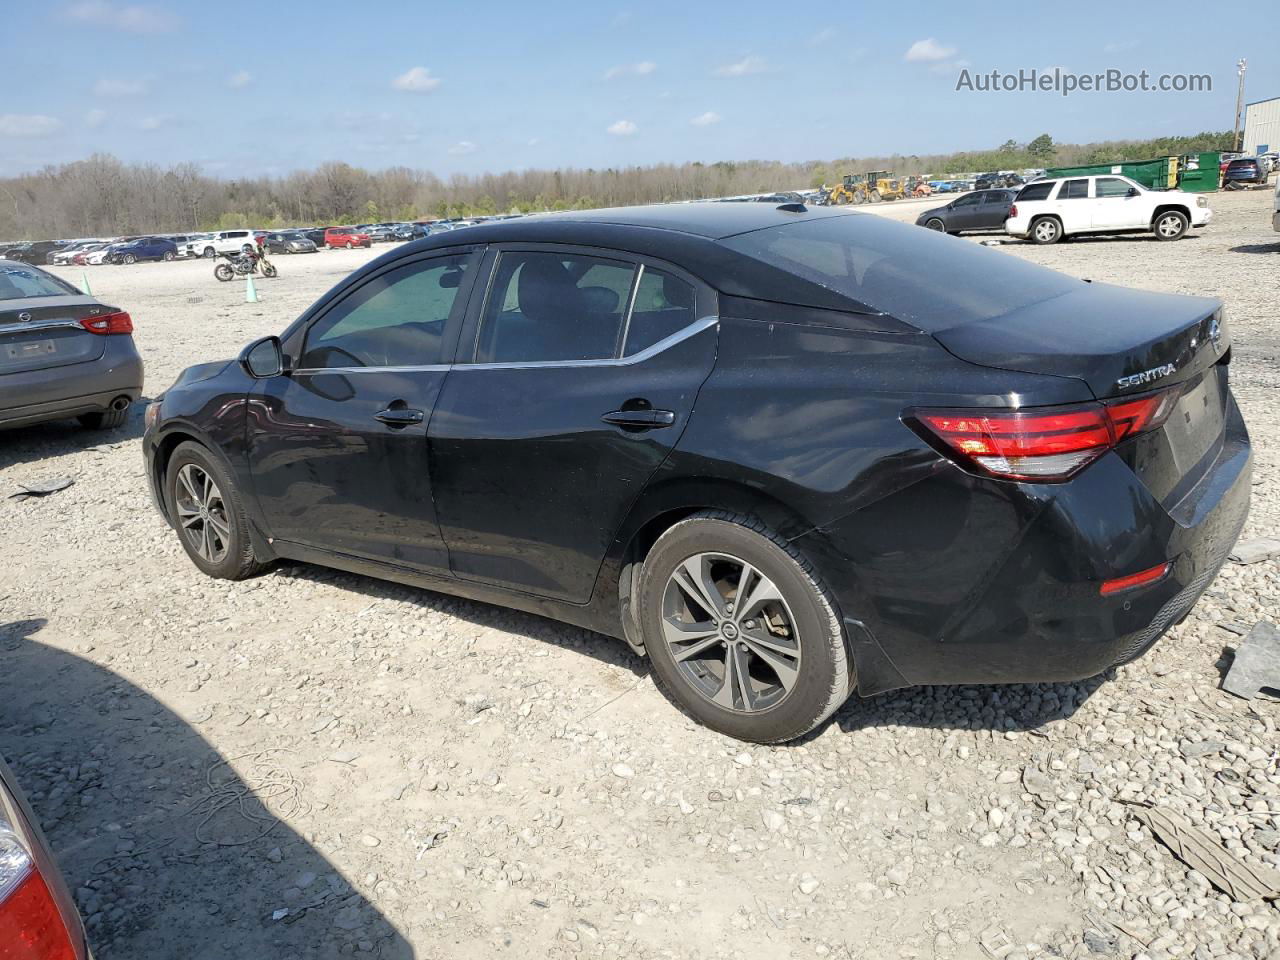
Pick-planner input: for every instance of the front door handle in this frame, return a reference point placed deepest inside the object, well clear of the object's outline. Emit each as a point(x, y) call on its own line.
point(640, 419)
point(399, 416)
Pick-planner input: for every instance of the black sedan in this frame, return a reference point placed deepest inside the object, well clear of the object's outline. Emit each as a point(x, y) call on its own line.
point(980, 210)
point(784, 453)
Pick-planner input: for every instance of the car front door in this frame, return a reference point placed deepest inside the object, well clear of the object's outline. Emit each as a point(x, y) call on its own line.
point(337, 444)
point(581, 371)
point(1114, 208)
point(964, 212)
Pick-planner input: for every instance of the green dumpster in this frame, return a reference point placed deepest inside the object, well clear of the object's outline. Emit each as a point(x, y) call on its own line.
point(1159, 174)
point(1200, 172)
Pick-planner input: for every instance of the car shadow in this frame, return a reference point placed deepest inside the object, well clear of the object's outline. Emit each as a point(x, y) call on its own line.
point(1271, 248)
point(170, 848)
point(54, 438)
point(608, 650)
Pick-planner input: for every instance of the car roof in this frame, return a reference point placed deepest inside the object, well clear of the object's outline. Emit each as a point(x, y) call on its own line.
point(714, 220)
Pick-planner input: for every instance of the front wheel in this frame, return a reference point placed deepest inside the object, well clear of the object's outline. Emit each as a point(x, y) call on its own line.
point(1046, 230)
point(168, 256)
point(208, 253)
point(935, 224)
point(741, 632)
point(268, 270)
point(223, 272)
point(208, 513)
point(130, 258)
point(874, 196)
point(1170, 225)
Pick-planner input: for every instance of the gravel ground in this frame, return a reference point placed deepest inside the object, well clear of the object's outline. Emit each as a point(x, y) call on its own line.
point(311, 764)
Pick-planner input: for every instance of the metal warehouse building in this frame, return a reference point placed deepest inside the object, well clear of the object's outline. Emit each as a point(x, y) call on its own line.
point(1262, 126)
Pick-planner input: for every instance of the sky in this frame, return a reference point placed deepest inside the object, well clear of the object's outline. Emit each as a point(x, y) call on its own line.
point(248, 88)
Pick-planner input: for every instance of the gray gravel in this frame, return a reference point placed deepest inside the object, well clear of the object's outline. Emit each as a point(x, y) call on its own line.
point(312, 764)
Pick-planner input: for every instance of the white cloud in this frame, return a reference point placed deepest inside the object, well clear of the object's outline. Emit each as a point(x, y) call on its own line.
point(744, 67)
point(127, 17)
point(533, 142)
point(623, 128)
point(115, 87)
point(1120, 46)
point(641, 69)
point(462, 147)
point(706, 119)
point(95, 118)
point(28, 125)
point(240, 79)
point(416, 80)
point(928, 50)
point(822, 36)
point(152, 122)
point(949, 66)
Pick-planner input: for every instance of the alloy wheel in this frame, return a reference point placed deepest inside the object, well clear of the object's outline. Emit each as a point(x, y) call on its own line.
point(730, 633)
point(202, 512)
point(1046, 230)
point(1169, 226)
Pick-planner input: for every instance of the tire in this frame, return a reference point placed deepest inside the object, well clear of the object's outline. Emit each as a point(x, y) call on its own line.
point(104, 420)
point(874, 196)
point(1045, 230)
point(224, 272)
point(130, 258)
point(168, 256)
point(802, 617)
point(269, 271)
point(215, 510)
point(209, 253)
point(935, 224)
point(1170, 225)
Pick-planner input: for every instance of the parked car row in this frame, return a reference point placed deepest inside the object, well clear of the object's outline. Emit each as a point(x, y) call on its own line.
point(1044, 211)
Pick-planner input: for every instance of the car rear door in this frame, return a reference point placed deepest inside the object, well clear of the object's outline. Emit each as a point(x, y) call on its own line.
point(1073, 205)
point(337, 444)
point(575, 378)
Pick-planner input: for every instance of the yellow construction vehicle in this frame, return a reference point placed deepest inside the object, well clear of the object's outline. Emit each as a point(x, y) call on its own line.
point(850, 190)
point(883, 185)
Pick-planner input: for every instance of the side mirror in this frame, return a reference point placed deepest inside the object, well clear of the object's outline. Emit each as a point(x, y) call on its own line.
point(263, 358)
point(1133, 192)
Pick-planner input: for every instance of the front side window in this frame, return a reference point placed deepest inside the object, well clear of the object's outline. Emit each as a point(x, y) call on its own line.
point(552, 307)
point(396, 319)
point(968, 201)
point(1111, 187)
point(1074, 190)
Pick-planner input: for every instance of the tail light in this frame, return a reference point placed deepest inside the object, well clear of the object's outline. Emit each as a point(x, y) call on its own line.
point(108, 323)
point(31, 924)
point(1041, 444)
point(1013, 210)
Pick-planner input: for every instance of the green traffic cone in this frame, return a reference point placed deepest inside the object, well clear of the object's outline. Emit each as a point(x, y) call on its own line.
point(84, 282)
point(250, 291)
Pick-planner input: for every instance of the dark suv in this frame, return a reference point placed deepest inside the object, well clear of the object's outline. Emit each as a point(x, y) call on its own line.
point(785, 453)
point(1246, 170)
point(34, 253)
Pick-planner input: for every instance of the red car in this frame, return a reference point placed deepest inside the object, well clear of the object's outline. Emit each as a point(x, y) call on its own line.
point(336, 237)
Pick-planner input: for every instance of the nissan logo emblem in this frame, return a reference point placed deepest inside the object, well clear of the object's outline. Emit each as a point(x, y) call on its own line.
point(24, 317)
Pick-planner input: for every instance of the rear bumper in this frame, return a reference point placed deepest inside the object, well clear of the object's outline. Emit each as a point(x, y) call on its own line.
point(1275, 221)
point(960, 580)
point(55, 394)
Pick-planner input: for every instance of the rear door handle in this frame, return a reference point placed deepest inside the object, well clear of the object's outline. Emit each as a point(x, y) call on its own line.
point(640, 419)
point(399, 416)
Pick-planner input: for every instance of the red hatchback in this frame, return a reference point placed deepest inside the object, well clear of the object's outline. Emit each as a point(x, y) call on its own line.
point(336, 237)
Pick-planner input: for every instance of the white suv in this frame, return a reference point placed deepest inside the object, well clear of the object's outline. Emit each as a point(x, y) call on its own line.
point(1045, 211)
point(228, 241)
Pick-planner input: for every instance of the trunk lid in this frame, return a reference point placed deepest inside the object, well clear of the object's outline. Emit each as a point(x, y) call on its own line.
point(1122, 343)
point(44, 332)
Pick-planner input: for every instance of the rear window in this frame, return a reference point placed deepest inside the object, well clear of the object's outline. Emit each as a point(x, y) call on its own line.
point(918, 276)
point(1036, 191)
point(18, 283)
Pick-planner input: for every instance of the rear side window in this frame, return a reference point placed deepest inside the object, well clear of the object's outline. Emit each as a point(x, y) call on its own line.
point(1074, 190)
point(551, 307)
point(395, 320)
point(1036, 191)
point(918, 276)
point(664, 305)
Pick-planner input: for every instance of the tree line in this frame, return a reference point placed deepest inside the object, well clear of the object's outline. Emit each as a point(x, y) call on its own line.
point(101, 196)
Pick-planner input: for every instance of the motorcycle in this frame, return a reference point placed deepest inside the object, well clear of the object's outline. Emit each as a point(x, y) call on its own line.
point(244, 264)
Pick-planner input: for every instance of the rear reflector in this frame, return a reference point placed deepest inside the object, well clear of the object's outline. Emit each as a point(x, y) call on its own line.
point(1046, 444)
point(1120, 584)
point(108, 323)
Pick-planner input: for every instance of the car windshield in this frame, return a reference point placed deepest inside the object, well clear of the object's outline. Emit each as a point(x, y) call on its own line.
point(921, 277)
point(19, 283)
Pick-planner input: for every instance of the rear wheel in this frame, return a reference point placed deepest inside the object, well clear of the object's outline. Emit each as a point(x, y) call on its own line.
point(1046, 230)
point(1170, 225)
point(209, 515)
point(208, 253)
point(223, 272)
point(104, 420)
point(741, 632)
point(874, 196)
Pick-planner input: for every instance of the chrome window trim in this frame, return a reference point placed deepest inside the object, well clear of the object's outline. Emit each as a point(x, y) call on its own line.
point(424, 368)
point(693, 329)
